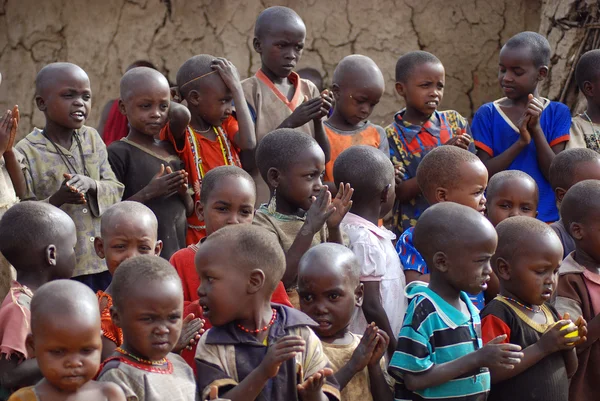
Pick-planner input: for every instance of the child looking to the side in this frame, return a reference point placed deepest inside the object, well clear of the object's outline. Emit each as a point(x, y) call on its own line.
point(440, 354)
point(148, 307)
point(300, 212)
point(523, 131)
point(371, 174)
point(584, 127)
point(578, 292)
point(330, 290)
point(151, 171)
point(65, 339)
point(511, 193)
point(255, 349)
point(38, 239)
point(527, 262)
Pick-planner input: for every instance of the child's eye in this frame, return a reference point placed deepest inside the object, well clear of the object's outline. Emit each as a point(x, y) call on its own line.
point(164, 106)
point(526, 209)
point(307, 298)
point(67, 95)
point(56, 352)
point(88, 350)
point(246, 212)
point(145, 249)
point(174, 318)
point(333, 297)
point(221, 208)
point(504, 206)
point(209, 279)
point(119, 246)
point(87, 97)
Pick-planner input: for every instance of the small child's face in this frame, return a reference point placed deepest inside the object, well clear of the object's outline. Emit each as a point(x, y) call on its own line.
point(128, 238)
point(214, 103)
point(329, 297)
point(302, 180)
point(66, 259)
point(147, 109)
point(517, 74)
point(470, 192)
point(356, 99)
point(515, 197)
point(230, 202)
point(533, 272)
point(424, 89)
point(281, 47)
point(151, 320)
point(68, 352)
point(68, 100)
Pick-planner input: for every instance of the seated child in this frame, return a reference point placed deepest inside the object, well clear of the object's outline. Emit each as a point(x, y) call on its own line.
point(527, 262)
point(148, 307)
point(151, 171)
point(330, 290)
point(440, 353)
point(585, 127)
point(371, 174)
point(38, 240)
point(578, 292)
point(276, 95)
point(446, 174)
point(65, 339)
point(208, 133)
point(511, 193)
point(567, 169)
point(418, 129)
point(523, 131)
point(66, 163)
point(301, 212)
point(255, 349)
point(358, 85)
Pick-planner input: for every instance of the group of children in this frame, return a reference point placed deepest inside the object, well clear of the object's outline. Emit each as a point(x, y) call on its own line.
point(267, 198)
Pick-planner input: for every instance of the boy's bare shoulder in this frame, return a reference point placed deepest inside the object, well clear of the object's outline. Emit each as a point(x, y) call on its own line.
point(101, 391)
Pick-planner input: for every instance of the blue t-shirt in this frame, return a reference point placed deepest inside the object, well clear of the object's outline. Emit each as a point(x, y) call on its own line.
point(494, 133)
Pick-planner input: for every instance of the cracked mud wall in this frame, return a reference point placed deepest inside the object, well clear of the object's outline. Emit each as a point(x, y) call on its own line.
point(103, 37)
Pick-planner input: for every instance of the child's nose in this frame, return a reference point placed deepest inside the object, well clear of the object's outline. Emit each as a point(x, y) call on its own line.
point(73, 362)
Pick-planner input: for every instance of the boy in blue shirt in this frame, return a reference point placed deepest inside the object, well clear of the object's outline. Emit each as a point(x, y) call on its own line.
point(523, 131)
point(439, 353)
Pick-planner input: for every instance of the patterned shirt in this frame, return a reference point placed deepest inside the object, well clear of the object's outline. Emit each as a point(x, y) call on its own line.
point(409, 144)
point(44, 169)
point(435, 332)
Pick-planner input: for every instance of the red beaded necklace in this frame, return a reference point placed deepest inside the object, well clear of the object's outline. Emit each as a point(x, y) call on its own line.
point(256, 331)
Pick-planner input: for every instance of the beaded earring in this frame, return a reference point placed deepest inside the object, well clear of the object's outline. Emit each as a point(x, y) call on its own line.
point(272, 208)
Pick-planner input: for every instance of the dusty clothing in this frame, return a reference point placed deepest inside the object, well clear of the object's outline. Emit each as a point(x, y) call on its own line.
point(584, 134)
point(8, 198)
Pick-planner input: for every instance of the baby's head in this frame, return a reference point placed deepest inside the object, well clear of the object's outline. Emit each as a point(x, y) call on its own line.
point(204, 90)
point(38, 239)
point(127, 229)
point(580, 212)
point(292, 164)
point(239, 268)
point(227, 197)
point(511, 193)
point(63, 94)
point(452, 174)
point(587, 75)
point(145, 100)
point(65, 334)
point(457, 244)
point(358, 84)
point(572, 166)
point(371, 174)
point(524, 61)
point(420, 79)
point(147, 306)
point(279, 35)
point(527, 259)
point(329, 287)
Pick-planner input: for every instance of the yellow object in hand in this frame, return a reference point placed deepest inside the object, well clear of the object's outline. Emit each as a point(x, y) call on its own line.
point(571, 334)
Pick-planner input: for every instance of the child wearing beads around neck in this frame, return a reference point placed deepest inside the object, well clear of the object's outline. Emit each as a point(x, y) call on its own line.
point(208, 133)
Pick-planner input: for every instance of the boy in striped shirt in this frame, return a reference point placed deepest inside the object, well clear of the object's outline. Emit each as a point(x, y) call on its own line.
point(439, 353)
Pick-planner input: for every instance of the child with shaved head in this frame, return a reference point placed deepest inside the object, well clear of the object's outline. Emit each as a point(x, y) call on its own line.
point(151, 171)
point(65, 339)
point(208, 133)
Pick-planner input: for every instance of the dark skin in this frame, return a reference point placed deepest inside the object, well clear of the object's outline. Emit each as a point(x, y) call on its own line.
point(8, 132)
point(519, 78)
point(582, 171)
point(591, 90)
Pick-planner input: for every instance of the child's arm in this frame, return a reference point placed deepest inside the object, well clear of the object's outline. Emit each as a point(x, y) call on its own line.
point(164, 182)
point(374, 312)
point(179, 119)
point(342, 204)
point(8, 132)
point(312, 388)
point(17, 375)
point(380, 389)
point(503, 160)
point(246, 137)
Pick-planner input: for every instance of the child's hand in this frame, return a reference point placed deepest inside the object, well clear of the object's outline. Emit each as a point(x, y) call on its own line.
point(320, 210)
point(581, 328)
point(182, 190)
point(554, 339)
point(462, 141)
point(7, 133)
point(165, 182)
point(524, 134)
point(383, 340)
point(228, 72)
point(191, 330)
point(363, 354)
point(497, 354)
point(67, 194)
point(326, 104)
point(342, 204)
point(285, 348)
point(81, 183)
point(534, 110)
point(307, 111)
point(311, 388)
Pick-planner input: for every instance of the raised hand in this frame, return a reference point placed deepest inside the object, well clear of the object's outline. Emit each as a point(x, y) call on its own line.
point(7, 133)
point(310, 389)
point(383, 340)
point(191, 330)
point(81, 183)
point(67, 194)
point(227, 71)
point(363, 354)
point(320, 210)
point(284, 349)
point(326, 103)
point(309, 110)
point(165, 182)
point(462, 141)
point(554, 339)
point(534, 110)
point(342, 204)
point(498, 354)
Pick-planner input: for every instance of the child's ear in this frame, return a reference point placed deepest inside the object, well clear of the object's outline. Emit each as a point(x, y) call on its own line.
point(273, 176)
point(158, 247)
point(577, 231)
point(588, 89)
point(30, 345)
point(256, 281)
point(114, 315)
point(400, 89)
point(257, 46)
point(40, 103)
point(542, 73)
point(51, 255)
point(199, 209)
point(502, 269)
point(193, 98)
point(559, 193)
point(335, 89)
point(441, 195)
point(440, 262)
point(122, 107)
point(385, 194)
point(99, 247)
point(359, 294)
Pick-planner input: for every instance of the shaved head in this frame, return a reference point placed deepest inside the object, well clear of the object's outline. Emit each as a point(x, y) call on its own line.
point(54, 72)
point(357, 69)
point(142, 78)
point(334, 257)
point(276, 16)
point(188, 76)
point(580, 204)
point(127, 210)
point(515, 236)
